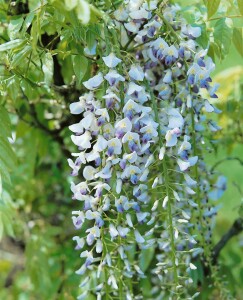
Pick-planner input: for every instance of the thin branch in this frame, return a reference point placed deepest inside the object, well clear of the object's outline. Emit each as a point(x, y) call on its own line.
point(54, 134)
point(223, 17)
point(235, 229)
point(225, 159)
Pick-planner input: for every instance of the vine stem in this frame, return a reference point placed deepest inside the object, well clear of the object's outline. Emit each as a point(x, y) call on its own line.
point(116, 46)
point(107, 287)
point(167, 187)
point(168, 25)
point(120, 289)
point(224, 17)
point(194, 144)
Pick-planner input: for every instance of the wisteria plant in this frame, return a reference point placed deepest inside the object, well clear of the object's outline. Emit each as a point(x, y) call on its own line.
point(145, 193)
point(113, 133)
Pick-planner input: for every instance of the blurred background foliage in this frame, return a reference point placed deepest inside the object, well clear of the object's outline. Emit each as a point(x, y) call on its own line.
point(44, 59)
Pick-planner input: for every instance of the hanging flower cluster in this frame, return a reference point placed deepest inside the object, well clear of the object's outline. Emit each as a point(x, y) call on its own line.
point(145, 188)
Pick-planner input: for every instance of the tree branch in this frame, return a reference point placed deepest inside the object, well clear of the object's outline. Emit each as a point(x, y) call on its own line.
point(225, 159)
point(235, 229)
point(54, 134)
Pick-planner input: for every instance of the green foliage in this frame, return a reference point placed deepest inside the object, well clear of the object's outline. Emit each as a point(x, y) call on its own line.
point(44, 59)
point(222, 24)
point(7, 156)
point(229, 76)
point(232, 111)
point(42, 66)
point(145, 259)
point(223, 34)
point(15, 44)
point(240, 5)
point(80, 65)
point(238, 40)
point(7, 215)
point(212, 7)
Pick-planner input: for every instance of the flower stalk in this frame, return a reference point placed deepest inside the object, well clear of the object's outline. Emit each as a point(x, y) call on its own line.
point(137, 142)
point(167, 187)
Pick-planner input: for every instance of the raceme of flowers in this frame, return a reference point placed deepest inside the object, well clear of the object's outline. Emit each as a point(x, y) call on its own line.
point(143, 186)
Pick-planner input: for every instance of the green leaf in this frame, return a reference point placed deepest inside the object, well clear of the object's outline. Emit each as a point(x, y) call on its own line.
point(28, 89)
point(4, 172)
point(5, 123)
point(223, 34)
point(20, 56)
point(7, 215)
point(12, 44)
point(7, 155)
point(132, 252)
point(1, 185)
point(197, 275)
point(90, 37)
point(80, 65)
point(47, 68)
point(13, 89)
point(28, 20)
point(146, 287)
point(238, 39)
point(146, 257)
point(214, 51)
point(14, 27)
point(211, 52)
point(240, 5)
point(203, 39)
point(212, 7)
point(35, 33)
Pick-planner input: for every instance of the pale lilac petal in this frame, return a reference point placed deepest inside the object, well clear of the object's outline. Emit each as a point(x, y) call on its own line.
point(111, 60)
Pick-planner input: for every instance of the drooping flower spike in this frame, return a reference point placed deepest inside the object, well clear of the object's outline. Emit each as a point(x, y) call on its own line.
point(140, 136)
